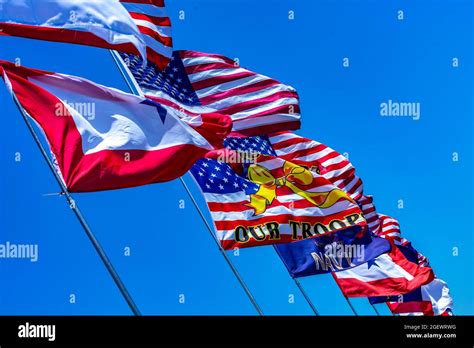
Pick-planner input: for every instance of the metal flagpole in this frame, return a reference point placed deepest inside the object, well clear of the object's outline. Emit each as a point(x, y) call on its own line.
point(223, 252)
point(375, 309)
point(347, 298)
point(305, 295)
point(136, 90)
point(350, 305)
point(100, 251)
point(302, 290)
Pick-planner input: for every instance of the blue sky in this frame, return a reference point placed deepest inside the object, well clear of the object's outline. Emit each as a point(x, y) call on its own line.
point(407, 60)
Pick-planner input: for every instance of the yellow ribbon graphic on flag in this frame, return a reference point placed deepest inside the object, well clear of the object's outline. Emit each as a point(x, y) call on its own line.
point(294, 175)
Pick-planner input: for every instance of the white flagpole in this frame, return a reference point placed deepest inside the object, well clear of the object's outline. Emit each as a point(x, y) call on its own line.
point(99, 249)
point(135, 88)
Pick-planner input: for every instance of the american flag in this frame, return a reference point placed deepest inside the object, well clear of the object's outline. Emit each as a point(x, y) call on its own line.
point(196, 83)
point(152, 21)
point(390, 229)
point(228, 195)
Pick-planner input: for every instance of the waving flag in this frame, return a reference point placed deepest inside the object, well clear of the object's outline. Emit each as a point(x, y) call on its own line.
point(104, 23)
point(270, 200)
point(196, 83)
point(390, 230)
point(430, 299)
point(398, 272)
point(105, 139)
point(154, 24)
point(335, 252)
point(386, 275)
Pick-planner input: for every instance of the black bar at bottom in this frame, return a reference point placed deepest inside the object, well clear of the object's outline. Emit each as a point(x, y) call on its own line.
point(19, 330)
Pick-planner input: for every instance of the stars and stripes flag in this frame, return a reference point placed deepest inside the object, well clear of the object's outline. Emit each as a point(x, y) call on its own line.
point(104, 23)
point(196, 82)
point(103, 138)
point(155, 25)
point(390, 230)
point(270, 199)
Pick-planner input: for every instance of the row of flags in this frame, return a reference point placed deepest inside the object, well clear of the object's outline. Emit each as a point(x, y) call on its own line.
point(232, 129)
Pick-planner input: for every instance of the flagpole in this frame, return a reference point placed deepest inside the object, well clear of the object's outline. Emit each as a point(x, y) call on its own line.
point(135, 88)
point(100, 251)
point(305, 295)
point(350, 305)
point(347, 298)
point(223, 252)
point(375, 309)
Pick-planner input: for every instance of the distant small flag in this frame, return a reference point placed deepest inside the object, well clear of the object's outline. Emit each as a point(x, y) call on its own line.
point(196, 82)
point(432, 299)
point(270, 200)
point(105, 139)
point(104, 23)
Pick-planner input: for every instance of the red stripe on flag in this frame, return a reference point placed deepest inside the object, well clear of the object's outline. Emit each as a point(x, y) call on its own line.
point(159, 21)
point(220, 80)
point(63, 35)
point(167, 41)
point(194, 54)
point(238, 91)
point(159, 3)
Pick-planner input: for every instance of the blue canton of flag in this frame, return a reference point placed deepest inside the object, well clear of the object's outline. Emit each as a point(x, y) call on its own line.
point(260, 144)
point(173, 80)
point(218, 177)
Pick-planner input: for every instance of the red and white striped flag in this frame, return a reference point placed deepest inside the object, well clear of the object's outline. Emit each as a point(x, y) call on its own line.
point(105, 139)
point(104, 23)
point(390, 229)
point(332, 165)
point(196, 82)
point(154, 24)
